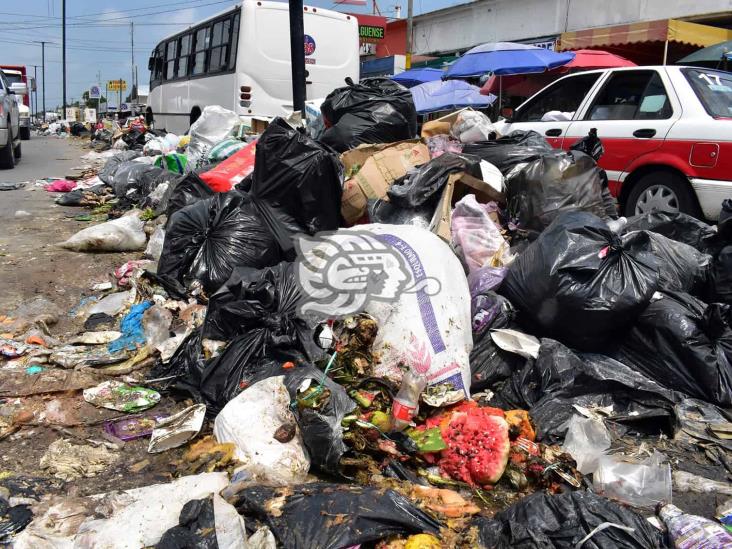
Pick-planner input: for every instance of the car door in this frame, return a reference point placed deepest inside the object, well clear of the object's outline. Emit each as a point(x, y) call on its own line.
point(10, 106)
point(545, 111)
point(633, 112)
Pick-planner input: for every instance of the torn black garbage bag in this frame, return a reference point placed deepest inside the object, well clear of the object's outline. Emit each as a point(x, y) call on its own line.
point(298, 175)
point(208, 239)
point(554, 183)
point(332, 516)
point(568, 521)
point(678, 226)
point(681, 267)
point(685, 345)
point(376, 110)
point(515, 149)
point(550, 386)
point(579, 283)
point(319, 405)
point(423, 185)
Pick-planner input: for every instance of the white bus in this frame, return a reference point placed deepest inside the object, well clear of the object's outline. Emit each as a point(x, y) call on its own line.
point(240, 59)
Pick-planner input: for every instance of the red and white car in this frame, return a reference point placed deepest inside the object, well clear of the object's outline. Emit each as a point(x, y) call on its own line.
point(667, 132)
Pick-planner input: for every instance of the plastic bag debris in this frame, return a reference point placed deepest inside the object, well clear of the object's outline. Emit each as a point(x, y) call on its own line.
point(471, 126)
point(209, 523)
point(306, 516)
point(688, 482)
point(250, 421)
point(125, 234)
point(234, 168)
point(156, 322)
point(512, 150)
point(207, 240)
point(112, 304)
point(476, 237)
point(683, 344)
point(172, 162)
point(513, 341)
point(176, 430)
point(37, 310)
point(69, 461)
point(644, 484)
point(579, 283)
point(720, 278)
point(133, 334)
point(13, 519)
point(134, 176)
point(587, 441)
point(133, 427)
point(376, 110)
point(213, 125)
point(298, 175)
point(155, 244)
point(698, 422)
point(119, 396)
point(570, 520)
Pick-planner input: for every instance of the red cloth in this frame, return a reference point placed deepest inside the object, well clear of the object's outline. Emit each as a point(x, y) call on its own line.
point(60, 186)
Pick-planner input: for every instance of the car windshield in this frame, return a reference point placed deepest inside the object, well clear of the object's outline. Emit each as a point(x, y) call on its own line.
point(714, 90)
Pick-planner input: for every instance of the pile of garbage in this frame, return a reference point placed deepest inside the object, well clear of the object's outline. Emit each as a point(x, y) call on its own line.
point(366, 338)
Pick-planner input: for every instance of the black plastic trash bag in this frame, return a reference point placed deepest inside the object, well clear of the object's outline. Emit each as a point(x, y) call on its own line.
point(196, 527)
point(568, 521)
point(681, 268)
point(71, 198)
point(184, 191)
point(720, 278)
point(133, 177)
point(383, 211)
point(332, 516)
point(685, 345)
point(517, 148)
point(319, 416)
point(208, 239)
point(592, 146)
point(113, 164)
point(298, 175)
point(554, 183)
point(423, 186)
point(13, 519)
point(724, 224)
point(678, 226)
point(376, 110)
point(550, 386)
point(580, 284)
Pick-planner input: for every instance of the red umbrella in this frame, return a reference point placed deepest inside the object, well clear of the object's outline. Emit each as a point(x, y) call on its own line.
point(595, 59)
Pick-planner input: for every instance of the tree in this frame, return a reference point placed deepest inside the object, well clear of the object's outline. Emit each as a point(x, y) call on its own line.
point(91, 103)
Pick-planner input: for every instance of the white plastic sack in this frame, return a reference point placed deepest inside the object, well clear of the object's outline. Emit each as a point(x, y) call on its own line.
point(214, 124)
point(250, 421)
point(472, 126)
point(125, 234)
point(421, 300)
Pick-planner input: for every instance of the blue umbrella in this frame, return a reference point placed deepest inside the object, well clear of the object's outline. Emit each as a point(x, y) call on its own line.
point(506, 58)
point(450, 94)
point(415, 77)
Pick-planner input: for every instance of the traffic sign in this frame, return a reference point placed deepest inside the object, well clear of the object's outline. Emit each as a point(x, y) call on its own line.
point(95, 91)
point(117, 85)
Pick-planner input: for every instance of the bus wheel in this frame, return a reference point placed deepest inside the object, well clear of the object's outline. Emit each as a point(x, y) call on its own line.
point(195, 113)
point(149, 117)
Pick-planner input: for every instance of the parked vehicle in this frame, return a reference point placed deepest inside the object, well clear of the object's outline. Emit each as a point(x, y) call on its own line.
point(667, 132)
point(239, 60)
point(9, 122)
point(16, 75)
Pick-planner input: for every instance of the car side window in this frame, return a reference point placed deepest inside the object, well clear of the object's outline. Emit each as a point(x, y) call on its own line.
point(631, 95)
point(564, 96)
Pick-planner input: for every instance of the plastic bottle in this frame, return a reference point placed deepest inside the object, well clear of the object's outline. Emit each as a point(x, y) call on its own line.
point(406, 403)
point(692, 531)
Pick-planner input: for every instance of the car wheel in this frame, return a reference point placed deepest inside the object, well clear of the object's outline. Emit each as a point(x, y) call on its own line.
point(661, 191)
point(17, 152)
point(7, 160)
point(25, 133)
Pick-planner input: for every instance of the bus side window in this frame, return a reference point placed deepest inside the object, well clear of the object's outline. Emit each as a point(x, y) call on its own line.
point(234, 44)
point(200, 47)
point(220, 37)
point(184, 55)
point(170, 60)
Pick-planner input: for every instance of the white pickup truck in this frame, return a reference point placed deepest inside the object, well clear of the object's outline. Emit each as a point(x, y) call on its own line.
point(16, 77)
point(9, 122)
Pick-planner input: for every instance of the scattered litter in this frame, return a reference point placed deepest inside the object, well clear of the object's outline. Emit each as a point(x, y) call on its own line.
point(119, 396)
point(68, 461)
point(177, 429)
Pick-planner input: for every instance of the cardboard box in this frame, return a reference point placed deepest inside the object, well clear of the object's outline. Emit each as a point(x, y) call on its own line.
point(440, 126)
point(376, 167)
point(458, 185)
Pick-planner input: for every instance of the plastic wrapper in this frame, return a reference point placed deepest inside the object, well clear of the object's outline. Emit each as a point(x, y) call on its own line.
point(174, 431)
point(587, 441)
point(303, 516)
point(568, 521)
point(685, 345)
point(440, 144)
point(376, 110)
point(579, 283)
point(554, 183)
point(678, 226)
point(208, 239)
point(173, 162)
point(423, 186)
point(471, 126)
point(550, 387)
point(512, 150)
point(214, 124)
point(476, 238)
point(264, 458)
point(125, 234)
point(644, 484)
point(298, 175)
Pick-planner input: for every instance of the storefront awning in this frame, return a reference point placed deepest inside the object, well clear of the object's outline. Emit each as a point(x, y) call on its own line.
point(671, 30)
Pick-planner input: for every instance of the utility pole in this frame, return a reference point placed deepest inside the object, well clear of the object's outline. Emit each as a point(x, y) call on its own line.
point(408, 63)
point(43, 73)
point(132, 52)
point(34, 100)
point(63, 49)
point(297, 56)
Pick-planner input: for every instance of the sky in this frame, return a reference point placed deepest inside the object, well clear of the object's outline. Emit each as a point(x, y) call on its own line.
point(98, 38)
